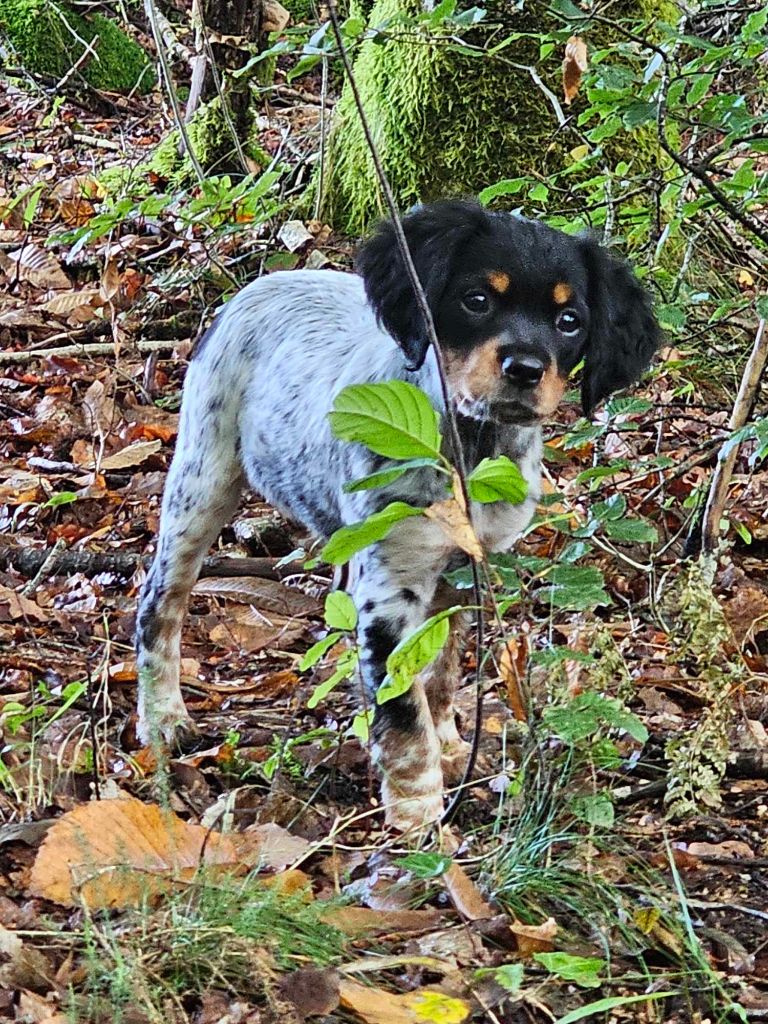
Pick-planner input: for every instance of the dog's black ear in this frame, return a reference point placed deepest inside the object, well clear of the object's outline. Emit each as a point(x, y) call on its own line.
point(435, 234)
point(623, 333)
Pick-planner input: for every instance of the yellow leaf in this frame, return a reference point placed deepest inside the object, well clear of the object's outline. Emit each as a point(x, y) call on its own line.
point(574, 66)
point(423, 1006)
point(745, 279)
point(453, 521)
point(115, 853)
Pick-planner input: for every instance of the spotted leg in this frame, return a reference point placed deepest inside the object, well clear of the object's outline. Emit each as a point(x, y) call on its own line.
point(393, 593)
point(201, 493)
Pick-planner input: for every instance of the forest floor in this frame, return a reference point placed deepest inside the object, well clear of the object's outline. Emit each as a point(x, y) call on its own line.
point(265, 887)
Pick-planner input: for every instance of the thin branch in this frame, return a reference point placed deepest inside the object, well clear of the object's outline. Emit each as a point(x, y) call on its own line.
point(745, 400)
point(151, 12)
point(429, 325)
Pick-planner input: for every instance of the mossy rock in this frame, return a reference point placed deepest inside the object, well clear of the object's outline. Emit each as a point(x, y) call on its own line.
point(45, 37)
point(445, 123)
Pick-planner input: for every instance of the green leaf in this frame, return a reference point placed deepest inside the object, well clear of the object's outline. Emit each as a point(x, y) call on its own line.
point(632, 531)
point(62, 498)
point(539, 193)
point(627, 406)
point(577, 588)
point(395, 419)
point(509, 976)
point(588, 712)
point(317, 650)
point(361, 725)
point(340, 611)
point(613, 508)
point(425, 865)
point(609, 1003)
point(345, 667)
point(507, 187)
point(348, 540)
point(281, 261)
point(388, 476)
point(497, 480)
point(414, 653)
point(583, 970)
point(596, 809)
point(699, 88)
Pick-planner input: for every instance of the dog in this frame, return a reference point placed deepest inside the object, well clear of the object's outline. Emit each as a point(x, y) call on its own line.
point(516, 306)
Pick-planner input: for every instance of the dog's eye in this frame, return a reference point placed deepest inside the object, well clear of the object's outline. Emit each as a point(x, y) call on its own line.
point(568, 322)
point(475, 302)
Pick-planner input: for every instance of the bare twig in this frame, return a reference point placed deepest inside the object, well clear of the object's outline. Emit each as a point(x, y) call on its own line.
point(745, 400)
point(151, 12)
point(97, 348)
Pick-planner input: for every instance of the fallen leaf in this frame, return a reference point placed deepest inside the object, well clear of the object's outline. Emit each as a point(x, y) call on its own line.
point(252, 632)
point(36, 265)
point(466, 896)
point(114, 853)
point(377, 1006)
point(269, 846)
point(574, 66)
point(455, 524)
point(15, 606)
point(535, 938)
point(132, 455)
point(268, 595)
point(729, 848)
point(313, 991)
point(512, 663)
point(64, 303)
point(365, 921)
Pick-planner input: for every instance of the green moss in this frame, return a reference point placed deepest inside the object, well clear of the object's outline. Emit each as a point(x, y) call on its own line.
point(444, 122)
point(49, 39)
point(211, 139)
point(303, 12)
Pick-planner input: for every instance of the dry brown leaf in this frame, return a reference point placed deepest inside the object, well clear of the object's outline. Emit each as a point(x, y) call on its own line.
point(256, 632)
point(466, 896)
point(574, 66)
point(114, 853)
point(729, 848)
point(365, 921)
point(15, 606)
point(268, 595)
point(377, 1006)
point(38, 266)
point(514, 655)
point(132, 455)
point(109, 286)
point(453, 521)
point(64, 303)
point(314, 991)
point(269, 846)
point(98, 407)
point(535, 938)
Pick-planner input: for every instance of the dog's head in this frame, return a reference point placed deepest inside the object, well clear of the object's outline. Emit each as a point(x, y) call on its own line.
point(516, 305)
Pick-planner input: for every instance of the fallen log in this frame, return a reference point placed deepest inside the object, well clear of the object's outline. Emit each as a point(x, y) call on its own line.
point(29, 561)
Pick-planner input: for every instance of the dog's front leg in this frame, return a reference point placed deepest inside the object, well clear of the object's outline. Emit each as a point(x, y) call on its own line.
point(393, 599)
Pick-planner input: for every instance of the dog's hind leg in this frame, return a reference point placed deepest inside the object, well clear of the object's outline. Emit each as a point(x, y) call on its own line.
point(201, 493)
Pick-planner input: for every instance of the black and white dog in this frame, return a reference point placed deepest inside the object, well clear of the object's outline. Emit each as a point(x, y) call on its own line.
point(516, 305)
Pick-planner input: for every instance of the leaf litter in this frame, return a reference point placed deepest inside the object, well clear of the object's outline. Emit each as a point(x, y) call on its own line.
point(86, 439)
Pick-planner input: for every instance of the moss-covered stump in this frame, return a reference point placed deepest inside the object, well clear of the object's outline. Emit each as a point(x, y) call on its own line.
point(445, 123)
point(50, 38)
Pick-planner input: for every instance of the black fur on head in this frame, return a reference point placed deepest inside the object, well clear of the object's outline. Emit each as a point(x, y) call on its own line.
point(623, 333)
point(435, 234)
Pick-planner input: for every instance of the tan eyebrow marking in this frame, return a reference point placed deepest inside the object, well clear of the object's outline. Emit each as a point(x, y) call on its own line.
point(499, 281)
point(562, 292)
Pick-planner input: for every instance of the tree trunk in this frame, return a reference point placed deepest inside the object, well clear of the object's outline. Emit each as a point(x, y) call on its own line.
point(240, 19)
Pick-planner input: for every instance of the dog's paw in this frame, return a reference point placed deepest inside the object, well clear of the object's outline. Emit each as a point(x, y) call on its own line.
point(172, 726)
point(411, 812)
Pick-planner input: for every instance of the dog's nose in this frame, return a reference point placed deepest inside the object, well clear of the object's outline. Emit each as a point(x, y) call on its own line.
point(523, 370)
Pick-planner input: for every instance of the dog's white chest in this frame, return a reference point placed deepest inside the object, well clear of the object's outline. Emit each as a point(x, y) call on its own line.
point(498, 525)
